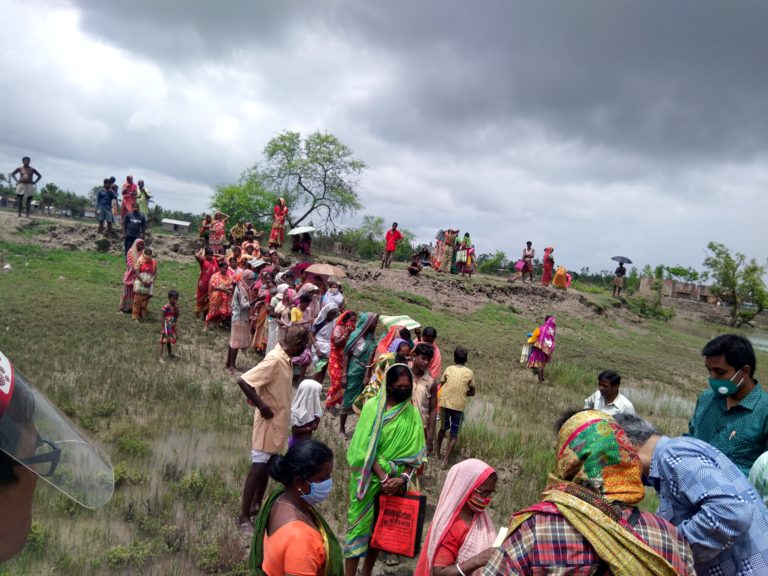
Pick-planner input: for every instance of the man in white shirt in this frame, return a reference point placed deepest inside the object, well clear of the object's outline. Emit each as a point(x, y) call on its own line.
point(608, 399)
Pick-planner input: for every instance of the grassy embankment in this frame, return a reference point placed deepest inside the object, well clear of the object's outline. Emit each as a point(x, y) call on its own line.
point(179, 433)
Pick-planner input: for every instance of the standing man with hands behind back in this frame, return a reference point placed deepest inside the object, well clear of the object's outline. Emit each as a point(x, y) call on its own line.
point(268, 387)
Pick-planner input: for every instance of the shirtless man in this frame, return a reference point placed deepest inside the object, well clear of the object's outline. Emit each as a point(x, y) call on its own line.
point(528, 254)
point(25, 184)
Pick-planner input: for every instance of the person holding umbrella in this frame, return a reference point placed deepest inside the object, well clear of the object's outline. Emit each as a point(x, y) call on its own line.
point(618, 279)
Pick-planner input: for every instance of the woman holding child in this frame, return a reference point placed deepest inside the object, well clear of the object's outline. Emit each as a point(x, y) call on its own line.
point(131, 267)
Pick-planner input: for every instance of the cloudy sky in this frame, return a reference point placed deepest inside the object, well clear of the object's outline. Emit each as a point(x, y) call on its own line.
point(601, 127)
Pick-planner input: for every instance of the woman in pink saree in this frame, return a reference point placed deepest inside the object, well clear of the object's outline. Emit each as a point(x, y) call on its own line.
point(547, 266)
point(462, 532)
point(543, 347)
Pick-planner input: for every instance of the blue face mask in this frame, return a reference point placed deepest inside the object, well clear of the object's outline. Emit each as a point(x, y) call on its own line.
point(318, 492)
point(725, 387)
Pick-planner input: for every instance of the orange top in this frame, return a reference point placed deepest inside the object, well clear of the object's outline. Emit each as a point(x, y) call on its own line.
point(295, 548)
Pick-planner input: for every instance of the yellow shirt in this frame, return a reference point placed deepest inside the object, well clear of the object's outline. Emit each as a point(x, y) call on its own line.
point(296, 315)
point(455, 384)
point(272, 378)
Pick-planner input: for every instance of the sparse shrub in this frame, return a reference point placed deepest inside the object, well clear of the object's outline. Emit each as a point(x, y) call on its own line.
point(135, 554)
point(64, 505)
point(66, 563)
point(650, 309)
point(208, 558)
point(37, 538)
point(207, 486)
point(88, 423)
point(104, 409)
point(172, 537)
point(125, 474)
point(192, 485)
point(133, 446)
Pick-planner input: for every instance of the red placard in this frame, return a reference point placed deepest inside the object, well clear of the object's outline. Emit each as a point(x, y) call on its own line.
point(398, 523)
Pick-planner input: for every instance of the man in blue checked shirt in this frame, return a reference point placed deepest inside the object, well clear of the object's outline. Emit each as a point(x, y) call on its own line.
point(706, 497)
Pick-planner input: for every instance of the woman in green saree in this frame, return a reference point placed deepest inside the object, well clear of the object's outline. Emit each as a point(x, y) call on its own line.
point(359, 356)
point(290, 536)
point(386, 448)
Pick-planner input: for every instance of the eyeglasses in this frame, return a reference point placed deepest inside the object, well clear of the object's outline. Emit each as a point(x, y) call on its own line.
point(46, 458)
point(490, 494)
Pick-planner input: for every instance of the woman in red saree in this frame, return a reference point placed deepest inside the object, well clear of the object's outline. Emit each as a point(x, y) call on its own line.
point(277, 235)
point(219, 293)
point(547, 266)
point(337, 370)
point(208, 268)
point(218, 232)
point(131, 267)
point(130, 196)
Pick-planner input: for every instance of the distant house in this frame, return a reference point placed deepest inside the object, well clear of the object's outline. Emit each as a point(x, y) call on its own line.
point(89, 214)
point(679, 290)
point(178, 226)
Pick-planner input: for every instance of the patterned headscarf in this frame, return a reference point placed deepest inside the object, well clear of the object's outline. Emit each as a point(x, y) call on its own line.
point(594, 452)
point(595, 467)
point(395, 344)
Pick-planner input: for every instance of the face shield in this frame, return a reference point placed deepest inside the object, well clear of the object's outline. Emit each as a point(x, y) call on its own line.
point(39, 437)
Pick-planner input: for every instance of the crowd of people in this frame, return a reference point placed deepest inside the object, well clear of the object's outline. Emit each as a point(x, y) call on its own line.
point(711, 519)
point(712, 484)
point(409, 407)
point(127, 206)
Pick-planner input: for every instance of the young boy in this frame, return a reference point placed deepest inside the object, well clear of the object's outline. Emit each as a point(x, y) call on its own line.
point(425, 391)
point(415, 266)
point(456, 384)
point(170, 313)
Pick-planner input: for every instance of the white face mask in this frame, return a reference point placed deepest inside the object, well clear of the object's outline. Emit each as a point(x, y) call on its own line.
point(333, 290)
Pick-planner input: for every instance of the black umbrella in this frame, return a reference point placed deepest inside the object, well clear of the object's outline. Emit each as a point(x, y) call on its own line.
point(622, 259)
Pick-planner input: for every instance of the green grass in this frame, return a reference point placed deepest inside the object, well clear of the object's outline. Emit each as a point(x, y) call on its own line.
point(179, 433)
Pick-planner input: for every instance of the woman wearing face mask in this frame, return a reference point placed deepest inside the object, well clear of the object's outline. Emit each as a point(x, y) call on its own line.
point(290, 536)
point(387, 446)
point(333, 294)
point(461, 535)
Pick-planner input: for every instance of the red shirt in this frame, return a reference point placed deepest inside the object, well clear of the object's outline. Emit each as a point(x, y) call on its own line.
point(392, 238)
point(448, 550)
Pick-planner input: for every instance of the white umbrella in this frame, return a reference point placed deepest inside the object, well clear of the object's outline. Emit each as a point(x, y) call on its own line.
point(301, 230)
point(402, 320)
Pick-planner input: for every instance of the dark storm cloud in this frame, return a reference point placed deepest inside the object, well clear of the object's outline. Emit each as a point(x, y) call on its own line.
point(187, 31)
point(663, 79)
point(676, 81)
